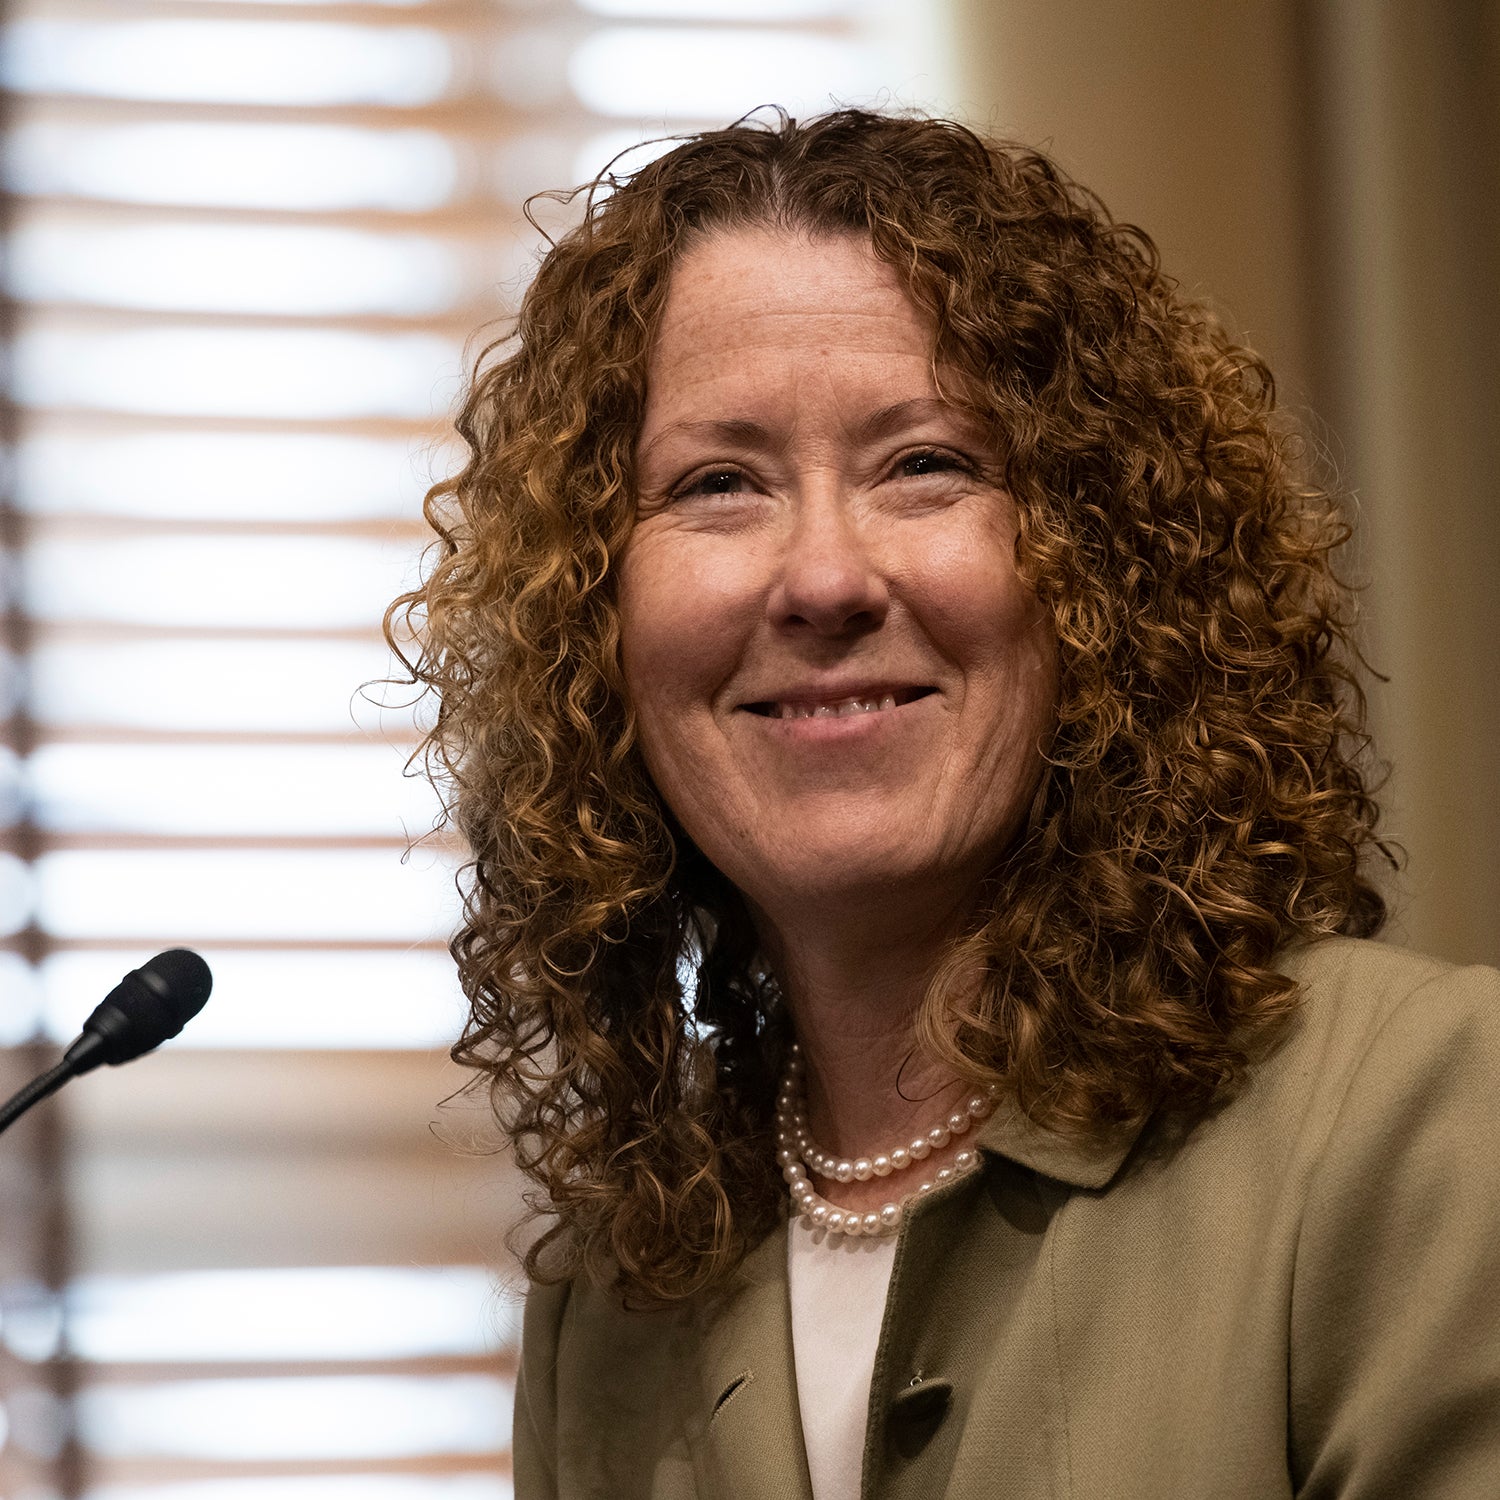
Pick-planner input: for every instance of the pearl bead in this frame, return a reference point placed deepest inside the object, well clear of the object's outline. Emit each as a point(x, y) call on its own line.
point(798, 1154)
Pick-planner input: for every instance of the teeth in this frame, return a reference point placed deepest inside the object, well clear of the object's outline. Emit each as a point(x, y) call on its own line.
point(843, 709)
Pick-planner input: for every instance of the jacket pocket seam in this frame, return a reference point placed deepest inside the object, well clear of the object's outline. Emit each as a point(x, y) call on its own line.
point(739, 1383)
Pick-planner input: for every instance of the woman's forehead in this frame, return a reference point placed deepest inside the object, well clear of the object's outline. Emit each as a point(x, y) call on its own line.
point(762, 316)
point(733, 270)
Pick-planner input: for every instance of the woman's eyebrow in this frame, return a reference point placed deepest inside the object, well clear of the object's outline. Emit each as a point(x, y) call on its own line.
point(901, 414)
point(739, 430)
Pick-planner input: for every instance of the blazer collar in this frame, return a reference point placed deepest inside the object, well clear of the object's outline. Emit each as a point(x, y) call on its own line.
point(1081, 1163)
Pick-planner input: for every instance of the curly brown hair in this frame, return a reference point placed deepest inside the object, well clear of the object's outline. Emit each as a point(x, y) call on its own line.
point(1203, 803)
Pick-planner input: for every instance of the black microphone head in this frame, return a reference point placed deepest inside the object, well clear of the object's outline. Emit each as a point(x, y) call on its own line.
point(149, 1005)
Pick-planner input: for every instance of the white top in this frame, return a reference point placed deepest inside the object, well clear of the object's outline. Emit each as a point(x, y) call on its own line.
point(838, 1290)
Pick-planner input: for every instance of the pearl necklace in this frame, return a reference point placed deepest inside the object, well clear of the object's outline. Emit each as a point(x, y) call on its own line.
point(797, 1154)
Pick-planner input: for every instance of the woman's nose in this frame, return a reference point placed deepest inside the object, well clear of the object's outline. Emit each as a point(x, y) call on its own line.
point(828, 581)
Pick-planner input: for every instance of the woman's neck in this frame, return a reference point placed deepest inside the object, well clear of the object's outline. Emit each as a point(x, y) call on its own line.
point(854, 996)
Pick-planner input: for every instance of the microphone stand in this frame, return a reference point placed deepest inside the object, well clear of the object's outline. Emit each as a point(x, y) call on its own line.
point(35, 1091)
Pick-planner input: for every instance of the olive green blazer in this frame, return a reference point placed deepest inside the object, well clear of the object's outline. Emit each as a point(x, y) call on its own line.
point(1298, 1297)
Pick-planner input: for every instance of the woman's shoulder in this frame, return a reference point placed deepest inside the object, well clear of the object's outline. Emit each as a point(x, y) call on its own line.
point(1396, 1166)
point(577, 1327)
point(1367, 966)
point(1353, 990)
point(1380, 1033)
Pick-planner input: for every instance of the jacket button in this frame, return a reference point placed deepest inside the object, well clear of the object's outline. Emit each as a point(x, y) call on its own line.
point(916, 1412)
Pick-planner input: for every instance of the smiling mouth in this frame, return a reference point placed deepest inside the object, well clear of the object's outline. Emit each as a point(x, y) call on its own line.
point(838, 708)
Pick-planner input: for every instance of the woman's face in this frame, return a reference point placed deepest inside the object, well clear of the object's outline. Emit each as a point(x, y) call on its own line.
point(840, 681)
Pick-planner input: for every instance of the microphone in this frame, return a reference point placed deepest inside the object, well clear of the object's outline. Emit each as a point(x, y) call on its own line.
point(148, 1006)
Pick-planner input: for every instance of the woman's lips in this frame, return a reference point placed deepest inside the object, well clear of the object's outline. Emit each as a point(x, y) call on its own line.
point(844, 706)
point(842, 709)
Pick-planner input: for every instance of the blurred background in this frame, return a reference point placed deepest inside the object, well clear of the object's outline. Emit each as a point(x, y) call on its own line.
point(248, 241)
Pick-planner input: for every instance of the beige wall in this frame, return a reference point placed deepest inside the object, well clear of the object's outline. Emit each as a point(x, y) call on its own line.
point(1324, 171)
point(1181, 115)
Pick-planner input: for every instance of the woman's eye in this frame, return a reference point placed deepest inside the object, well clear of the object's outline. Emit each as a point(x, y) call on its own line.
point(930, 461)
point(713, 482)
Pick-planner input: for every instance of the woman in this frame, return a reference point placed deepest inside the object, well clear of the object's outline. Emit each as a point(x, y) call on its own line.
point(894, 687)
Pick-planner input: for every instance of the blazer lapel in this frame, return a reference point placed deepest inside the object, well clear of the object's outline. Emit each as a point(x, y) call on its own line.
point(747, 1437)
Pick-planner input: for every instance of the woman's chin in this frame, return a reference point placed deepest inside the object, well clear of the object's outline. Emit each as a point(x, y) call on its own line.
point(860, 880)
